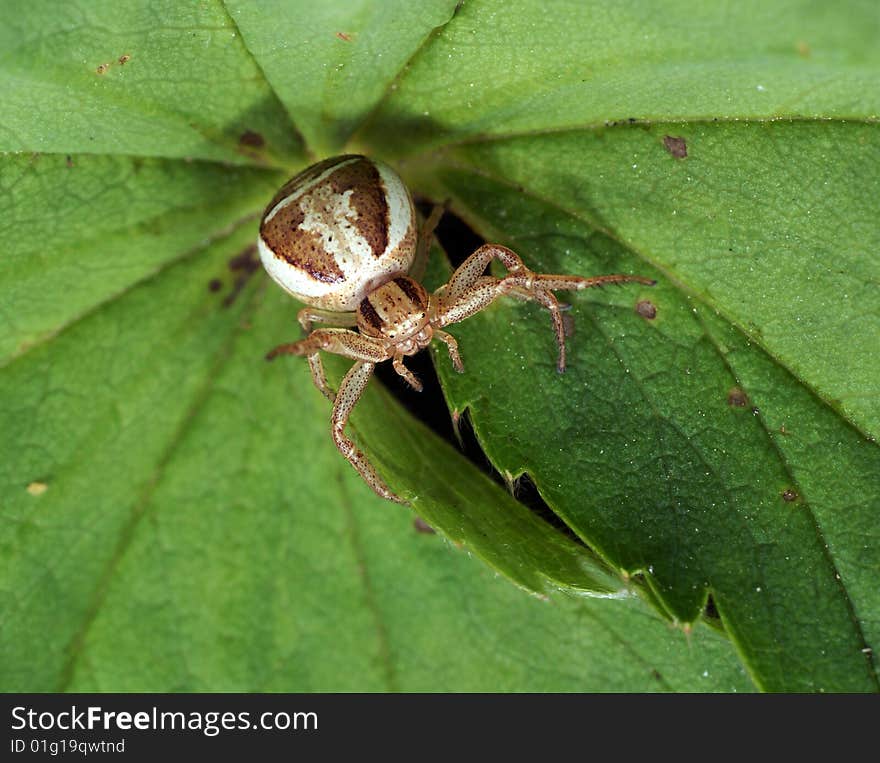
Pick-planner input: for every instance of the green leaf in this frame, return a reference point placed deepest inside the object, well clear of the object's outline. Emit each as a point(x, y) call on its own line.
point(582, 65)
point(158, 78)
point(680, 470)
point(331, 63)
point(175, 515)
point(115, 221)
point(772, 225)
point(198, 531)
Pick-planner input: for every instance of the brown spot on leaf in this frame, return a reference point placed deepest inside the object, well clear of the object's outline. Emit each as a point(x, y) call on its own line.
point(124, 59)
point(737, 398)
point(68, 160)
point(243, 265)
point(675, 146)
point(102, 68)
point(647, 309)
point(789, 495)
point(245, 260)
point(251, 139)
point(344, 36)
point(421, 526)
point(803, 49)
point(215, 284)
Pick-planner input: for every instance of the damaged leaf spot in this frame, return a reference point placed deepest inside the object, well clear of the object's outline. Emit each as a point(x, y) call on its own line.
point(102, 68)
point(421, 526)
point(344, 36)
point(37, 488)
point(243, 266)
point(647, 309)
point(124, 59)
point(251, 139)
point(675, 146)
point(789, 495)
point(215, 284)
point(737, 398)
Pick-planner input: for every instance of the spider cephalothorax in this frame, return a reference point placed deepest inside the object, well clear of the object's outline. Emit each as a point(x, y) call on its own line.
point(341, 236)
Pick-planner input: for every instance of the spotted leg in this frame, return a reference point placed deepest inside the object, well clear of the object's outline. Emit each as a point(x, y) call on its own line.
point(469, 291)
point(403, 371)
point(309, 315)
point(350, 391)
point(306, 317)
point(339, 341)
point(452, 347)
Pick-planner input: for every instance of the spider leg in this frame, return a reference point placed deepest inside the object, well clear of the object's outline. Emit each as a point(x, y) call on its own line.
point(309, 315)
point(471, 270)
point(306, 317)
point(339, 341)
point(469, 291)
point(554, 307)
point(426, 236)
point(403, 371)
point(452, 346)
point(350, 391)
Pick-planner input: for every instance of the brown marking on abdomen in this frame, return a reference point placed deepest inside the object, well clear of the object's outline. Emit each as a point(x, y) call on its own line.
point(367, 199)
point(302, 249)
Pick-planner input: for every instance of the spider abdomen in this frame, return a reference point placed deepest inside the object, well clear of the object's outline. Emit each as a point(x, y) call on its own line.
point(337, 230)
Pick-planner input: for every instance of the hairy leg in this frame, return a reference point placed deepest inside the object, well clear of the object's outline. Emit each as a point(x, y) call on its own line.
point(306, 317)
point(403, 371)
point(469, 291)
point(452, 346)
point(309, 315)
point(350, 391)
point(426, 236)
point(471, 270)
point(339, 341)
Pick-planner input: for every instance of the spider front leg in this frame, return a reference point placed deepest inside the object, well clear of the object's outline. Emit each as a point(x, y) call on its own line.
point(339, 341)
point(306, 317)
point(469, 291)
point(367, 352)
point(350, 391)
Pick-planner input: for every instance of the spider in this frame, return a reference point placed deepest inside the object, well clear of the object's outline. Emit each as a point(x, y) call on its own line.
point(342, 237)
